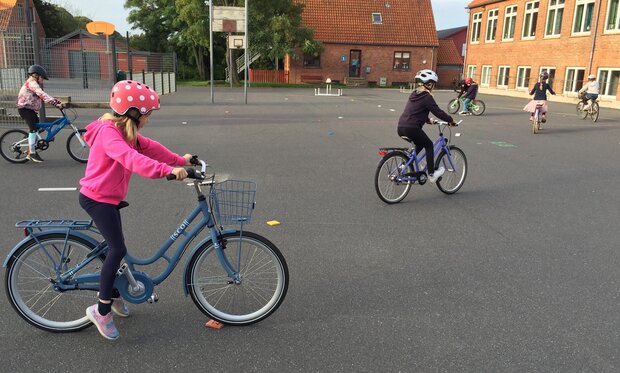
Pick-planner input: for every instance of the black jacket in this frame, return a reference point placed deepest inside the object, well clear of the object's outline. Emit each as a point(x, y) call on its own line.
point(419, 105)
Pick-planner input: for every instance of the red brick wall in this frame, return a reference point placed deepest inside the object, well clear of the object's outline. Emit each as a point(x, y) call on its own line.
point(559, 52)
point(380, 59)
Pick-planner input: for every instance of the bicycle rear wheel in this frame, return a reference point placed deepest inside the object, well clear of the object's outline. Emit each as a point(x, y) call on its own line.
point(32, 273)
point(387, 187)
point(594, 111)
point(75, 148)
point(454, 105)
point(257, 290)
point(453, 179)
point(14, 146)
point(477, 107)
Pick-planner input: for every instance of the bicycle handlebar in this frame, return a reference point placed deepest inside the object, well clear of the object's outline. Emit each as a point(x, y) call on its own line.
point(192, 173)
point(442, 123)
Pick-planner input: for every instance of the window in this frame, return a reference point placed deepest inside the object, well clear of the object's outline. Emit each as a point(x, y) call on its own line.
point(574, 79)
point(554, 18)
point(402, 60)
point(471, 71)
point(550, 71)
point(583, 16)
point(613, 16)
point(475, 27)
point(376, 18)
point(529, 22)
point(509, 22)
point(312, 61)
point(486, 75)
point(523, 77)
point(608, 80)
point(503, 76)
point(492, 24)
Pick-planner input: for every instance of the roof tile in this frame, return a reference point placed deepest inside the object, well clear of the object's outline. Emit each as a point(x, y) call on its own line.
point(448, 54)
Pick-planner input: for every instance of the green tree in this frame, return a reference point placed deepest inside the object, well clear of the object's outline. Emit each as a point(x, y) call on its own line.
point(56, 20)
point(156, 19)
point(193, 23)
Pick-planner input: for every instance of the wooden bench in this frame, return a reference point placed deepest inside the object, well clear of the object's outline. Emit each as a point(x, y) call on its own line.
point(308, 78)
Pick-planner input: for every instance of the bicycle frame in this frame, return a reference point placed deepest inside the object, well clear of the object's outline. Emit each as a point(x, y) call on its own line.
point(438, 145)
point(52, 129)
point(64, 281)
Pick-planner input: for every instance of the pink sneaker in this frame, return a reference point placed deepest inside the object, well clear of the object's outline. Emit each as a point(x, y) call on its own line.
point(105, 324)
point(119, 307)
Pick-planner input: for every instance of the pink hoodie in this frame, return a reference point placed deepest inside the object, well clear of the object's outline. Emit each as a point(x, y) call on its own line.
point(112, 160)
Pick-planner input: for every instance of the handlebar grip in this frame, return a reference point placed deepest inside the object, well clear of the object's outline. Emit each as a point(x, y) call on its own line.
point(191, 174)
point(171, 177)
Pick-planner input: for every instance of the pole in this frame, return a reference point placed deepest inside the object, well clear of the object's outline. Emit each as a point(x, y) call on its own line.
point(247, 58)
point(211, 49)
point(129, 64)
point(230, 60)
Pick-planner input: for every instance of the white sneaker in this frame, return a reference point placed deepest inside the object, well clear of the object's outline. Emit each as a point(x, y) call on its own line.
point(438, 172)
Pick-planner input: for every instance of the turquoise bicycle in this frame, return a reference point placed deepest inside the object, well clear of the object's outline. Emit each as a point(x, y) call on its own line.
point(14, 143)
point(233, 276)
point(476, 107)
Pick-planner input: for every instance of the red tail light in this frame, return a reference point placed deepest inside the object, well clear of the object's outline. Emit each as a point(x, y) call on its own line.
point(382, 153)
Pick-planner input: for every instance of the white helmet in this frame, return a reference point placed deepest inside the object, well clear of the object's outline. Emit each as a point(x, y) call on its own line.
point(591, 76)
point(426, 76)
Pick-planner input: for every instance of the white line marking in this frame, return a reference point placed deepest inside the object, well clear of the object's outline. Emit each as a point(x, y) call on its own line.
point(57, 189)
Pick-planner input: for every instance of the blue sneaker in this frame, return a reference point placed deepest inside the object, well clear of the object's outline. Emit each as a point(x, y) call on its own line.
point(105, 324)
point(119, 307)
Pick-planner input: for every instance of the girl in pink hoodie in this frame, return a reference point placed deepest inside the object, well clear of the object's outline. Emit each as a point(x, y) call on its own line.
point(116, 151)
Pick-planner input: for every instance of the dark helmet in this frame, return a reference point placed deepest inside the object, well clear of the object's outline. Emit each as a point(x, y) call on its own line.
point(38, 69)
point(544, 75)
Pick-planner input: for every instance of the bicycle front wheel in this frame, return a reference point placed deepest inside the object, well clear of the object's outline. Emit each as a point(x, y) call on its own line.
point(456, 170)
point(388, 188)
point(75, 148)
point(454, 105)
point(254, 291)
point(478, 107)
point(32, 273)
point(594, 111)
point(14, 146)
point(580, 112)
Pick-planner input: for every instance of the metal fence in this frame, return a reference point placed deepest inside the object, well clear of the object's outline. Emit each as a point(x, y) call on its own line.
point(82, 68)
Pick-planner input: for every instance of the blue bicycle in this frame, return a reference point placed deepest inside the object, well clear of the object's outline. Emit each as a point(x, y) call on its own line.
point(400, 168)
point(233, 276)
point(14, 143)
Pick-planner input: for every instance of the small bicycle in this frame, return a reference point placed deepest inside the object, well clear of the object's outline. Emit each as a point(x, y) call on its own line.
point(591, 111)
point(14, 143)
point(232, 275)
point(400, 168)
point(537, 118)
point(476, 107)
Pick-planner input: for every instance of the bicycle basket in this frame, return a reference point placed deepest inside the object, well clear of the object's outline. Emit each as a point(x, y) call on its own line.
point(233, 201)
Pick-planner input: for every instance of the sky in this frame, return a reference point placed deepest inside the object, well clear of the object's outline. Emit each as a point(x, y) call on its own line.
point(448, 13)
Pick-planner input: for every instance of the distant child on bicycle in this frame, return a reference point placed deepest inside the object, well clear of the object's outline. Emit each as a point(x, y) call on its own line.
point(470, 91)
point(117, 150)
point(540, 96)
point(589, 92)
point(29, 102)
point(415, 115)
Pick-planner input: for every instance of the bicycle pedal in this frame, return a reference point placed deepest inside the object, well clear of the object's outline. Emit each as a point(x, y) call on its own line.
point(214, 324)
point(153, 298)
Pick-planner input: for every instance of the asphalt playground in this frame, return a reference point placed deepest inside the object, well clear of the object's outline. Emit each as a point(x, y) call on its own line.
point(517, 272)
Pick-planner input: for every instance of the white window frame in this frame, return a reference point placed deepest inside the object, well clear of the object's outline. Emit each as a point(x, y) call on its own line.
point(524, 74)
point(510, 22)
point(377, 18)
point(476, 25)
point(491, 31)
point(551, 75)
point(485, 76)
point(556, 7)
point(471, 71)
point(603, 77)
point(574, 83)
point(530, 18)
point(503, 76)
point(584, 4)
point(609, 16)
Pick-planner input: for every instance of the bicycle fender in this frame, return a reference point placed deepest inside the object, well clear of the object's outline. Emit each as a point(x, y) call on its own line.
point(42, 234)
point(191, 255)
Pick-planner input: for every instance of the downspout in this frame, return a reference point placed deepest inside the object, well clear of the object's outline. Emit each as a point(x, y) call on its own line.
point(467, 45)
point(598, 13)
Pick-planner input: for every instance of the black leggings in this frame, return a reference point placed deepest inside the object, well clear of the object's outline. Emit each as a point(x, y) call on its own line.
point(107, 218)
point(30, 117)
point(421, 141)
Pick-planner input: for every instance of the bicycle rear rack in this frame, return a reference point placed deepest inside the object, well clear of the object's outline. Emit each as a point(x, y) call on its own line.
point(60, 223)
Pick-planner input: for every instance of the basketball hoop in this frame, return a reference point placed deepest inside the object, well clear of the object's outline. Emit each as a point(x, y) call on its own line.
point(6, 9)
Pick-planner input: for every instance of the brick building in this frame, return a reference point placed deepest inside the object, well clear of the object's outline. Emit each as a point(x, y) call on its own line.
point(452, 43)
point(367, 42)
point(511, 41)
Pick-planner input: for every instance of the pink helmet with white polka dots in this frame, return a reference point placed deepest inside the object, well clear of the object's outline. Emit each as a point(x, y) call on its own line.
point(127, 94)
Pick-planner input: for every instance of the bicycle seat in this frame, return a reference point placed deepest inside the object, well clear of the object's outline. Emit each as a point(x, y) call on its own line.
point(406, 139)
point(122, 204)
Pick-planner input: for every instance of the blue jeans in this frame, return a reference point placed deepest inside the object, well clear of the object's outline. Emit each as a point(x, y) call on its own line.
point(466, 104)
